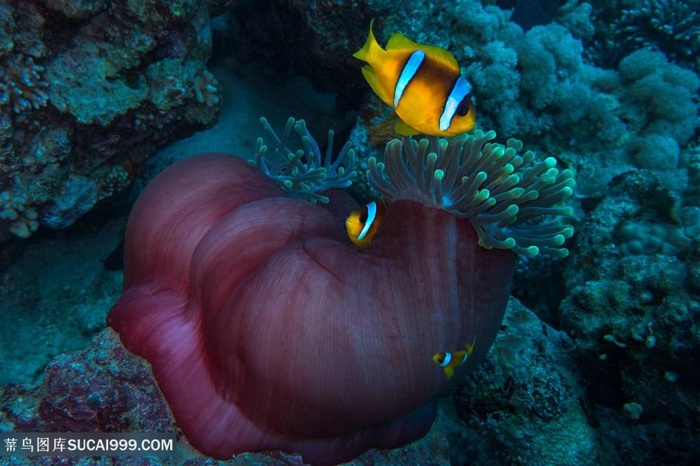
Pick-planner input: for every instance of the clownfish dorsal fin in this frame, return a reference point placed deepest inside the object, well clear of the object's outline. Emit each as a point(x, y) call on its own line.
point(400, 42)
point(403, 129)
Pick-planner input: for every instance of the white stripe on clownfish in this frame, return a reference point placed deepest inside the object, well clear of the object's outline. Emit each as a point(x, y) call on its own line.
point(371, 217)
point(460, 90)
point(449, 361)
point(409, 71)
point(362, 224)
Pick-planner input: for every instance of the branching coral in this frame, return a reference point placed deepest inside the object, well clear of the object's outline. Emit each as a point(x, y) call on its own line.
point(672, 26)
point(21, 83)
point(24, 218)
point(304, 173)
point(509, 198)
point(206, 89)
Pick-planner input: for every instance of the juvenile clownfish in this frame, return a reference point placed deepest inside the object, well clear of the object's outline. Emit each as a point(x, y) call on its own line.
point(362, 223)
point(449, 361)
point(422, 83)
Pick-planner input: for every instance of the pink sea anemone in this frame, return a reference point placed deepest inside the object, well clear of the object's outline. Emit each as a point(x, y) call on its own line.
point(267, 329)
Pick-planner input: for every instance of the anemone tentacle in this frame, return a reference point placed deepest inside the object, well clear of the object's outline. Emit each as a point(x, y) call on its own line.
point(510, 198)
point(304, 173)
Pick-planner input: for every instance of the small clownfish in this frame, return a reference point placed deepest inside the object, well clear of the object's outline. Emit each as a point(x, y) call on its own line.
point(422, 83)
point(449, 361)
point(362, 223)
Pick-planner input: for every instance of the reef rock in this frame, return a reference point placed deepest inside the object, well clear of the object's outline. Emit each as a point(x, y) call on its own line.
point(88, 90)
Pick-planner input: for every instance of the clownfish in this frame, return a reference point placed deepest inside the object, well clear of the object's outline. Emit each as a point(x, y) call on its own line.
point(362, 223)
point(422, 83)
point(449, 361)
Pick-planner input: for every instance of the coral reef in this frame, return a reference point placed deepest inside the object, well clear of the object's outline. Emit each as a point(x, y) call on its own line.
point(670, 26)
point(524, 401)
point(537, 86)
point(88, 90)
point(23, 219)
point(21, 83)
point(104, 388)
point(633, 311)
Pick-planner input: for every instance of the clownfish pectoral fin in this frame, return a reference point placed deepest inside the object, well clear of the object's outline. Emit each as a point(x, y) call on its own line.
point(449, 372)
point(373, 81)
point(404, 130)
point(400, 42)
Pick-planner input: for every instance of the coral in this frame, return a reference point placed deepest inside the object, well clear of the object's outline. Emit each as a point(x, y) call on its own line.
point(524, 400)
point(206, 89)
point(549, 57)
point(631, 307)
point(7, 29)
point(15, 209)
point(78, 196)
point(87, 94)
point(22, 84)
point(509, 198)
point(671, 26)
point(690, 160)
point(105, 389)
point(102, 95)
point(304, 173)
point(76, 10)
point(659, 96)
point(653, 238)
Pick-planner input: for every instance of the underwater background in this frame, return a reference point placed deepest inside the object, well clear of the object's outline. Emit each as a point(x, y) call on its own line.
point(596, 361)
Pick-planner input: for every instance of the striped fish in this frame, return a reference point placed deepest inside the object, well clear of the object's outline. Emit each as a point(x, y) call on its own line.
point(422, 83)
point(362, 224)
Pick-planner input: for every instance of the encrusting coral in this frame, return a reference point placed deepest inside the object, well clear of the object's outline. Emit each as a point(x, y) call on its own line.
point(505, 195)
point(304, 172)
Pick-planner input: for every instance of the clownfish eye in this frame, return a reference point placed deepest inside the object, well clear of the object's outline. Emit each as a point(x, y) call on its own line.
point(363, 215)
point(463, 107)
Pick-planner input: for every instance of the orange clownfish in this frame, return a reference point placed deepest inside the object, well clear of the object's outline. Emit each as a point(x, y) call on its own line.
point(362, 223)
point(449, 361)
point(422, 83)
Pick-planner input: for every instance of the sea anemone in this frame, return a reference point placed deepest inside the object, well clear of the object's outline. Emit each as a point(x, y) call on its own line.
point(304, 173)
point(510, 199)
point(268, 329)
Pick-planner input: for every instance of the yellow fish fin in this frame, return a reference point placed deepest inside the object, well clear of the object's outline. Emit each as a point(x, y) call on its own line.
point(402, 128)
point(470, 347)
point(400, 42)
point(373, 81)
point(371, 48)
point(449, 372)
